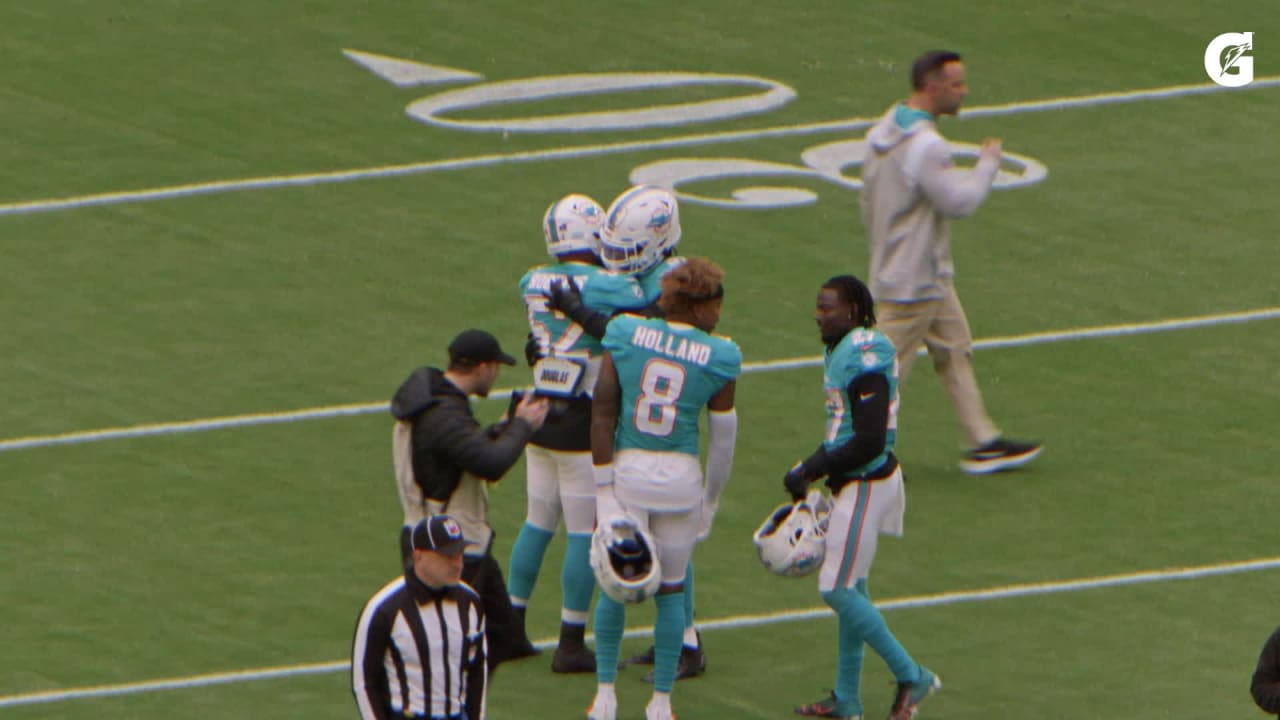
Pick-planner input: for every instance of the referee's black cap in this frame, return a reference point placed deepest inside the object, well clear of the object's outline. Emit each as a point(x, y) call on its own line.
point(439, 533)
point(473, 347)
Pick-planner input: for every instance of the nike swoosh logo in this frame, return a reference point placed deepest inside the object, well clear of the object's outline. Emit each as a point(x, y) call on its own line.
point(863, 397)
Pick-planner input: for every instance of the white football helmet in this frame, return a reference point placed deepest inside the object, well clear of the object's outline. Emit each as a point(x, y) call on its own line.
point(641, 227)
point(792, 541)
point(572, 224)
point(625, 561)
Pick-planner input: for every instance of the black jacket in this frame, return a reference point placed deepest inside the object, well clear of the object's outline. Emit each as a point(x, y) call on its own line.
point(447, 440)
point(1266, 678)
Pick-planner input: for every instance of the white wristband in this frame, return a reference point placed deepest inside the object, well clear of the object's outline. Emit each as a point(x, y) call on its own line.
point(603, 475)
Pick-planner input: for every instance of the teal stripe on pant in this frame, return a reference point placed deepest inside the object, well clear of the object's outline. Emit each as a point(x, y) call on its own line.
point(526, 560)
point(855, 531)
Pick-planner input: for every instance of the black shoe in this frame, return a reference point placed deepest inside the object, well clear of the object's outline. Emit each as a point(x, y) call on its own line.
point(999, 454)
point(568, 662)
point(644, 658)
point(523, 650)
point(692, 663)
point(828, 707)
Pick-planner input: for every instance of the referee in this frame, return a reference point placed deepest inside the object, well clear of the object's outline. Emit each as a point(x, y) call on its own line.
point(419, 649)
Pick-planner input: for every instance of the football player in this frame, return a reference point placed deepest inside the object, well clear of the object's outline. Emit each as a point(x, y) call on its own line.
point(558, 459)
point(860, 379)
point(634, 248)
point(657, 376)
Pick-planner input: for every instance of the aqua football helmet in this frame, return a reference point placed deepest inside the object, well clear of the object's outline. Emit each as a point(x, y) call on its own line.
point(792, 541)
point(625, 561)
point(572, 224)
point(641, 227)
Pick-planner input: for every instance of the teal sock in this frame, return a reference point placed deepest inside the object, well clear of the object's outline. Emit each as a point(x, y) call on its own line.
point(849, 663)
point(865, 622)
point(668, 634)
point(688, 595)
point(611, 616)
point(577, 581)
point(526, 560)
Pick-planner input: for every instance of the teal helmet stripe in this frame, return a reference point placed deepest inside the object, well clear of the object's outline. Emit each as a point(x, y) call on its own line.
point(553, 230)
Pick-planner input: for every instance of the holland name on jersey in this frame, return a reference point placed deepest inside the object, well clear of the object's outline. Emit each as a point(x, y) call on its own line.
point(670, 345)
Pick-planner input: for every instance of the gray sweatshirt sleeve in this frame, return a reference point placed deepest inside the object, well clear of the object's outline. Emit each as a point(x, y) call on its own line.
point(954, 192)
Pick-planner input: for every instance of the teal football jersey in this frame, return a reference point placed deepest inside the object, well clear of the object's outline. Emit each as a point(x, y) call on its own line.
point(651, 280)
point(667, 373)
point(602, 291)
point(864, 350)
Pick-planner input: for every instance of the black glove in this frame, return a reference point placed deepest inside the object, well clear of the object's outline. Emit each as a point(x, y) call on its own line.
point(565, 297)
point(796, 481)
point(532, 350)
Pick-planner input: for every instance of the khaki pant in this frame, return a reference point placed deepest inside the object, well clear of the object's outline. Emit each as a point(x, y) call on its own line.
point(943, 329)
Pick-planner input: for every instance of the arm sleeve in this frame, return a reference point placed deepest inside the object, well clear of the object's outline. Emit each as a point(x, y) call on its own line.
point(869, 396)
point(954, 192)
point(1266, 678)
point(486, 453)
point(368, 674)
point(722, 434)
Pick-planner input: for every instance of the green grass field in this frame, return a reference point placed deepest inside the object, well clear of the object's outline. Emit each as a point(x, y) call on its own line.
point(247, 549)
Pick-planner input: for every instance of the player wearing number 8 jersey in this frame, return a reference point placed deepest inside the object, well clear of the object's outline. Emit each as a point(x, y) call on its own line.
point(657, 376)
point(557, 459)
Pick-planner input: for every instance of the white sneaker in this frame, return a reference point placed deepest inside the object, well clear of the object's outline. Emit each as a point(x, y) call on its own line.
point(659, 708)
point(604, 706)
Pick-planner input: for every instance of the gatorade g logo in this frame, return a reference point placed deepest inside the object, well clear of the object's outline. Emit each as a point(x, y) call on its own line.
point(1229, 59)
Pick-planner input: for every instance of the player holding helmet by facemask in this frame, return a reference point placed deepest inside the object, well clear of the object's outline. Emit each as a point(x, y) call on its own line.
point(860, 379)
point(657, 376)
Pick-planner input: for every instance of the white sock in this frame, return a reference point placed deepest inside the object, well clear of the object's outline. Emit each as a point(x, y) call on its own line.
point(691, 637)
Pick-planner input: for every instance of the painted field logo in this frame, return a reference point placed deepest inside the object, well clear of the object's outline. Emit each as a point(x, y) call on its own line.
point(1226, 62)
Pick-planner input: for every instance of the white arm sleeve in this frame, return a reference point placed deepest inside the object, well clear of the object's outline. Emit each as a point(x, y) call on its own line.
point(722, 434)
point(954, 192)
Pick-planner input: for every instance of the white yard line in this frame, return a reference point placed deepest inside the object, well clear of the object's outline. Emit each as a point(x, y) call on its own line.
point(733, 622)
point(580, 151)
point(287, 416)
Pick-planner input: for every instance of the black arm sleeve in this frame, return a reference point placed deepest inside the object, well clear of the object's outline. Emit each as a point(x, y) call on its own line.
point(1266, 678)
point(869, 398)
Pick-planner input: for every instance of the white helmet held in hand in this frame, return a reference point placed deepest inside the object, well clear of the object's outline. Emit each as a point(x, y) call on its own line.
point(641, 227)
point(792, 541)
point(625, 560)
point(572, 224)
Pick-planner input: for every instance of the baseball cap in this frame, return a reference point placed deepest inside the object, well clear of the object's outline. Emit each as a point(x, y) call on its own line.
point(473, 347)
point(438, 533)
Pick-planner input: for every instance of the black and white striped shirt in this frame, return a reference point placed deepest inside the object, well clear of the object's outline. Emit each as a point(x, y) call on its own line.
point(420, 652)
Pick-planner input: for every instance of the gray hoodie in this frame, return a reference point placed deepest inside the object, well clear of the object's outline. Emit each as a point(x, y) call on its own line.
point(912, 190)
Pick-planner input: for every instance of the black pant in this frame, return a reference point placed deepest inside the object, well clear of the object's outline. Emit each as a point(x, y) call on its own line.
point(503, 628)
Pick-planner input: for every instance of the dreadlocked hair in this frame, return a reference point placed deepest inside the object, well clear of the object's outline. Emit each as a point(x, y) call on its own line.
point(694, 281)
point(853, 291)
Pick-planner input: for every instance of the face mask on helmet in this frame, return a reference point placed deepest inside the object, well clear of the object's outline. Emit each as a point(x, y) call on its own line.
point(572, 224)
point(641, 227)
point(792, 541)
point(625, 561)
